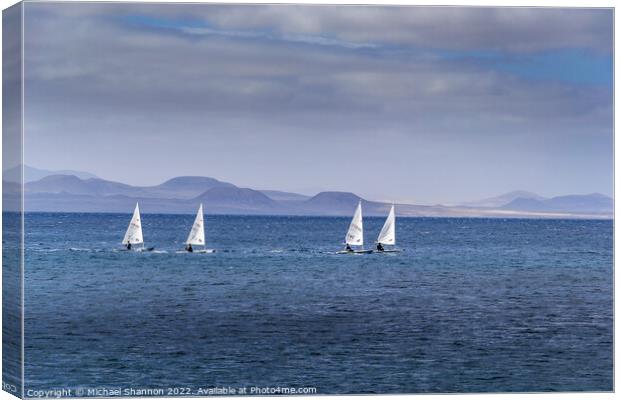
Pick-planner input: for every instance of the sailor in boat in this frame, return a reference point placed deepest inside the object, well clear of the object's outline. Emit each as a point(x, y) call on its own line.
point(380, 247)
point(348, 248)
point(128, 246)
point(189, 248)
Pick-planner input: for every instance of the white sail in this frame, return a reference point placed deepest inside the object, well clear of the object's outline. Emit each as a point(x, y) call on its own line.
point(197, 234)
point(388, 232)
point(134, 231)
point(355, 235)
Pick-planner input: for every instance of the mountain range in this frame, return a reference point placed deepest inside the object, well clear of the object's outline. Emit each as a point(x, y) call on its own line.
point(594, 202)
point(503, 199)
point(34, 174)
point(87, 193)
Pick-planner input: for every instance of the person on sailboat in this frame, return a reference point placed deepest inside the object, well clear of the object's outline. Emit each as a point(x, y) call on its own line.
point(380, 246)
point(189, 248)
point(128, 246)
point(348, 247)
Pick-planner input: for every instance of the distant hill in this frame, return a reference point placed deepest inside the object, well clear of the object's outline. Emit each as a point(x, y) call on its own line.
point(69, 193)
point(343, 203)
point(73, 185)
point(11, 196)
point(334, 200)
point(234, 197)
point(34, 174)
point(593, 203)
point(503, 199)
point(284, 196)
point(185, 187)
point(331, 203)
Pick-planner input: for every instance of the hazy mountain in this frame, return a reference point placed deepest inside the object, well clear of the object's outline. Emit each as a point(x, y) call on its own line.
point(341, 203)
point(65, 202)
point(334, 199)
point(185, 187)
point(73, 185)
point(11, 196)
point(11, 187)
point(594, 203)
point(183, 194)
point(332, 203)
point(234, 197)
point(34, 174)
point(503, 199)
point(284, 196)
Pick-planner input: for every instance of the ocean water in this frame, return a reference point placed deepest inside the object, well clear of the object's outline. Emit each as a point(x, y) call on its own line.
point(471, 305)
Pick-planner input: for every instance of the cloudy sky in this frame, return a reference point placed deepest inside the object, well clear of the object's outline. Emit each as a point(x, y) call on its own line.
point(424, 104)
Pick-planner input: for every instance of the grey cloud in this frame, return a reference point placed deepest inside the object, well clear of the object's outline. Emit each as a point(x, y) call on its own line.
point(247, 77)
point(519, 29)
point(458, 28)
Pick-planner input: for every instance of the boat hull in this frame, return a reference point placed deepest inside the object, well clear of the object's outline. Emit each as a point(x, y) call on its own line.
point(139, 250)
point(355, 252)
point(201, 251)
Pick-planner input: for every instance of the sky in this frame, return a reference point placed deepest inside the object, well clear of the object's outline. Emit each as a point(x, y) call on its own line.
point(417, 104)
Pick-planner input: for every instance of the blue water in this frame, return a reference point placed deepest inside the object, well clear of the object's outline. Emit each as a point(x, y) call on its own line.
point(472, 305)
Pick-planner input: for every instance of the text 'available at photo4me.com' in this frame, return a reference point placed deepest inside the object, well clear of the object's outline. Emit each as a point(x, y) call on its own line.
point(169, 391)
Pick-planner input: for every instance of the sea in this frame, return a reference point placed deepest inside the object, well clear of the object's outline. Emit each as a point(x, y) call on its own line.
point(470, 305)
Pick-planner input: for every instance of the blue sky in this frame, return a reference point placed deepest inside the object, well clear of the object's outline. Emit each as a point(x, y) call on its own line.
point(423, 104)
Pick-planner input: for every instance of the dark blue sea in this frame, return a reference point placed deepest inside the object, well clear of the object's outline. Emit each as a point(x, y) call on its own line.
point(471, 305)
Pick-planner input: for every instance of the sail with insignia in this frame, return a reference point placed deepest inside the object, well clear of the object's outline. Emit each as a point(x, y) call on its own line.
point(134, 230)
point(388, 232)
point(355, 234)
point(197, 234)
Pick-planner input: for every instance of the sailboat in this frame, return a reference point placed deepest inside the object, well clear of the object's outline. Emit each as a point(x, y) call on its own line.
point(387, 236)
point(355, 234)
point(133, 236)
point(196, 236)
